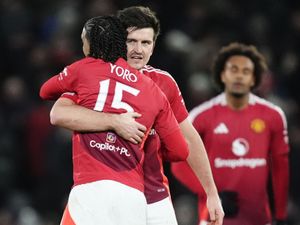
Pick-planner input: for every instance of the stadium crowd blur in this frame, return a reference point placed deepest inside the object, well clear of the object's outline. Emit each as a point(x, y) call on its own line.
point(38, 38)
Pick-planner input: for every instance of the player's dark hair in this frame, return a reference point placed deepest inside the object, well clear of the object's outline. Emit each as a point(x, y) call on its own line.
point(140, 17)
point(239, 49)
point(107, 38)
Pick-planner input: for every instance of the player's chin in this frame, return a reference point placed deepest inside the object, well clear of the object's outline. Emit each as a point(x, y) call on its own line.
point(137, 64)
point(237, 93)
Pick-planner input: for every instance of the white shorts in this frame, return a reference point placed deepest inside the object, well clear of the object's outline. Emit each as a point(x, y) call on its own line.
point(105, 202)
point(161, 213)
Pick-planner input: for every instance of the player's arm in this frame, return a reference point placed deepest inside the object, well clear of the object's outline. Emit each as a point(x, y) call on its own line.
point(199, 163)
point(280, 166)
point(176, 148)
point(167, 127)
point(183, 172)
point(280, 181)
point(66, 113)
point(65, 81)
point(51, 89)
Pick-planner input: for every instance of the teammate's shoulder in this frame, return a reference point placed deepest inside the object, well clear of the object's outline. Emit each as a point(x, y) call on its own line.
point(123, 63)
point(147, 69)
point(208, 105)
point(151, 69)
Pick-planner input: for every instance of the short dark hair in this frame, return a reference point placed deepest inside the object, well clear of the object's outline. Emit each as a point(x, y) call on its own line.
point(234, 49)
point(140, 17)
point(107, 38)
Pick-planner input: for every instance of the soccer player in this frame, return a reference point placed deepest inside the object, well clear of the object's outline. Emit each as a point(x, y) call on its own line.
point(246, 140)
point(108, 174)
point(143, 28)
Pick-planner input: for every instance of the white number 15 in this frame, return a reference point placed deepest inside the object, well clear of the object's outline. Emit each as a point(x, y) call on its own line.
point(117, 98)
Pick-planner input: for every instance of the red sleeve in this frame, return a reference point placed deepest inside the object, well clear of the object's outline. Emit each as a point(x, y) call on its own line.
point(280, 164)
point(183, 172)
point(176, 148)
point(177, 102)
point(169, 86)
point(280, 181)
point(53, 88)
point(169, 132)
point(279, 138)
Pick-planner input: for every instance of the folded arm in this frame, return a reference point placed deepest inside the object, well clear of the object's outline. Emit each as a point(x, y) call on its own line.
point(66, 113)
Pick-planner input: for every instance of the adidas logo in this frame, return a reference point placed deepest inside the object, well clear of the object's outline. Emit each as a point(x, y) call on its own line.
point(221, 129)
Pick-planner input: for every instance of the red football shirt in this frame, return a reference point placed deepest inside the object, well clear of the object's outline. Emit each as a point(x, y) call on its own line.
point(115, 88)
point(243, 146)
point(156, 183)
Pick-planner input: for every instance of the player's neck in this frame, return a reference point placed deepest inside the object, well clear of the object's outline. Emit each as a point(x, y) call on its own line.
point(237, 102)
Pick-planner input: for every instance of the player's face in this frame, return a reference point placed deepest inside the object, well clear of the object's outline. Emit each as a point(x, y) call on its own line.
point(85, 43)
point(238, 75)
point(140, 46)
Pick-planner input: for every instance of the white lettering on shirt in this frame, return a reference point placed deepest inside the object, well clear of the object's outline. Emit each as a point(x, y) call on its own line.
point(123, 73)
point(241, 162)
point(109, 147)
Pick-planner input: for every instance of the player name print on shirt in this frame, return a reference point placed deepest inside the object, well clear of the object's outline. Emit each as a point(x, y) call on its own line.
point(123, 73)
point(221, 129)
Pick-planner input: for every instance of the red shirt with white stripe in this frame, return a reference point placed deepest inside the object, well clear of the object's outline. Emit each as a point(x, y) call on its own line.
point(243, 147)
point(156, 183)
point(115, 88)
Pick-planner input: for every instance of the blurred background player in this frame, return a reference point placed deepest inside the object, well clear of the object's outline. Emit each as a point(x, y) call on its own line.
point(143, 28)
point(246, 139)
point(108, 174)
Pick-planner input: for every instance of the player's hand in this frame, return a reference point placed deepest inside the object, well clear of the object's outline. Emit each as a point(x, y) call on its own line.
point(215, 209)
point(128, 128)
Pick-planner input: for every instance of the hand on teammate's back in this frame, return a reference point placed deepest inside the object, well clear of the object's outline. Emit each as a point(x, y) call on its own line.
point(128, 128)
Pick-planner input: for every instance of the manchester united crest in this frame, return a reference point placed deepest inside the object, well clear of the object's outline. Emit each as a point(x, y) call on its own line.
point(258, 125)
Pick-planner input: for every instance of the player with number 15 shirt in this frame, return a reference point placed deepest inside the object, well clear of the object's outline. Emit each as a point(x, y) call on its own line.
point(115, 88)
